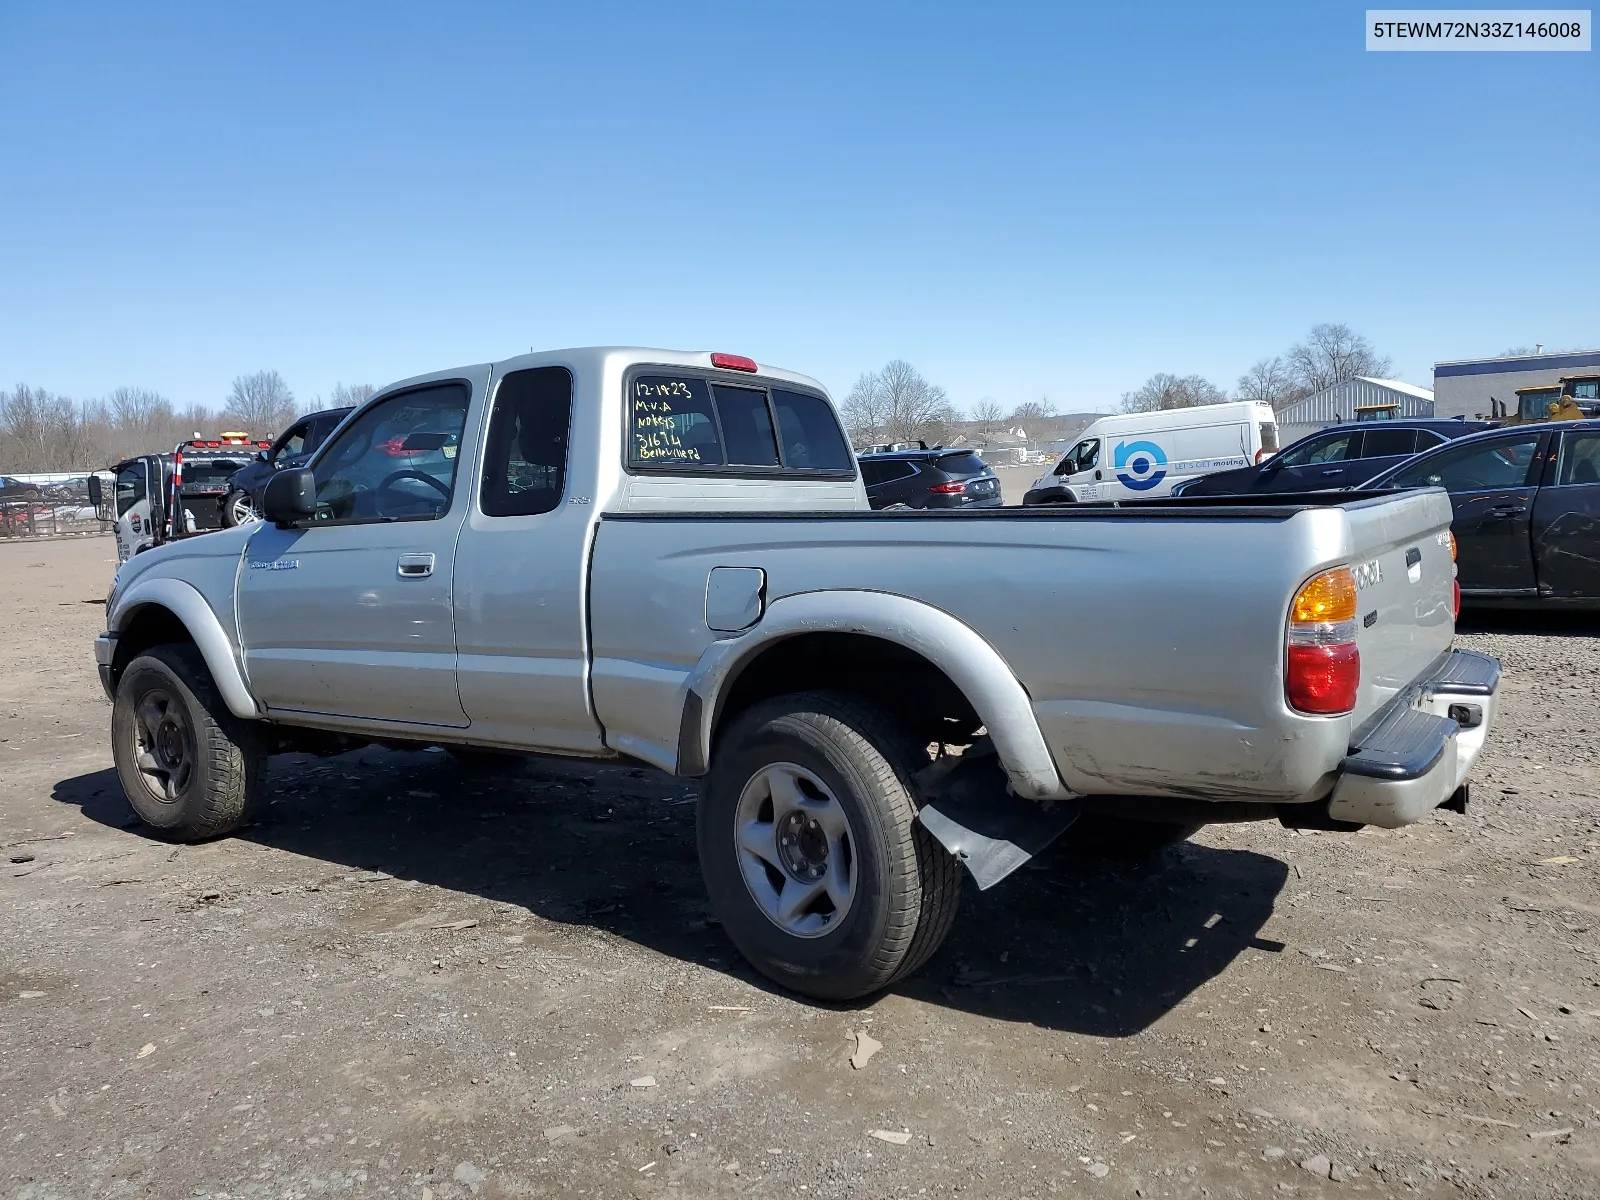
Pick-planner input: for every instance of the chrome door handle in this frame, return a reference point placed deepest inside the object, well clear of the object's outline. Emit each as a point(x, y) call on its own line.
point(415, 566)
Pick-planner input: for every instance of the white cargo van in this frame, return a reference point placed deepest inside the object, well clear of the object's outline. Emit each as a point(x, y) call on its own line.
point(1141, 455)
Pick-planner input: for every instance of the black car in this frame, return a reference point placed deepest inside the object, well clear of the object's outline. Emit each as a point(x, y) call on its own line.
point(1527, 511)
point(934, 478)
point(293, 447)
point(16, 489)
point(1340, 456)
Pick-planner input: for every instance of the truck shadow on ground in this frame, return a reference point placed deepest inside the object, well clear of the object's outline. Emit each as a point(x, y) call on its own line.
point(1092, 947)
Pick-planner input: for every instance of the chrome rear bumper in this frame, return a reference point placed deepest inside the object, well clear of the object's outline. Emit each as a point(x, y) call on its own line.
point(1421, 748)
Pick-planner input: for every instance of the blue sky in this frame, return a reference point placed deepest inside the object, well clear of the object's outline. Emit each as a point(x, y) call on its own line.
point(1019, 199)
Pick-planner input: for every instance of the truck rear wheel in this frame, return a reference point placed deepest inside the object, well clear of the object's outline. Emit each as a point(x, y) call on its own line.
point(811, 850)
point(189, 768)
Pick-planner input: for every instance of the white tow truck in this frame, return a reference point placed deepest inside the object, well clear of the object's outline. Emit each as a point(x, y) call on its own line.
point(158, 498)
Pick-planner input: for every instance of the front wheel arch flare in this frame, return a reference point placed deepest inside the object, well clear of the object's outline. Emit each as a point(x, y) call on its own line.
point(169, 605)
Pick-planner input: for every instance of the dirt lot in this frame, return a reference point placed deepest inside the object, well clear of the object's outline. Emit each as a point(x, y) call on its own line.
point(409, 981)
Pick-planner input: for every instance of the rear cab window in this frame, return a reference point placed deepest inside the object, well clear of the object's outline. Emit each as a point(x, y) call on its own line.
point(705, 423)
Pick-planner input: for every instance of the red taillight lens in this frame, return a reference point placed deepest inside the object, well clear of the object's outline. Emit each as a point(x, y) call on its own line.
point(1323, 679)
point(1455, 599)
point(733, 362)
point(953, 488)
point(1262, 453)
point(1322, 667)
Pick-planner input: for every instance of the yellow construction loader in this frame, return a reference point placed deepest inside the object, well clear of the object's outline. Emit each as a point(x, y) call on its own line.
point(1572, 398)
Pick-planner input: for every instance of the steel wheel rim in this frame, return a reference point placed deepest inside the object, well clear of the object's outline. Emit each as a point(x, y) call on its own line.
point(163, 745)
point(796, 850)
point(242, 509)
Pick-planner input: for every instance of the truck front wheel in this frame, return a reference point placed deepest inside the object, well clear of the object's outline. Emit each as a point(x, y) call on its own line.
point(811, 850)
point(189, 768)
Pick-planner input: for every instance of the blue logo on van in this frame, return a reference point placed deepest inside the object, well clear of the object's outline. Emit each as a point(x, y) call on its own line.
point(1140, 465)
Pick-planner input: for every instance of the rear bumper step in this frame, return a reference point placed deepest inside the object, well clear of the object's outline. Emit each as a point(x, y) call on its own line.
point(1421, 748)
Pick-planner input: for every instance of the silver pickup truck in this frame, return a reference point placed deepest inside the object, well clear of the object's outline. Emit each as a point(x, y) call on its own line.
point(669, 558)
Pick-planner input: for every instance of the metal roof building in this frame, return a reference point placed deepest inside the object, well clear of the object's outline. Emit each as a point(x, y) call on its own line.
point(1463, 388)
point(1339, 403)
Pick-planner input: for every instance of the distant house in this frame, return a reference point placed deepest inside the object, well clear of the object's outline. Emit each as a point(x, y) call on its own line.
point(1354, 399)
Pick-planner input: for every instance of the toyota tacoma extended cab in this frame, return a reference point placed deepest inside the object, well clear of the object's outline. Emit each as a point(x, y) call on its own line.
point(669, 558)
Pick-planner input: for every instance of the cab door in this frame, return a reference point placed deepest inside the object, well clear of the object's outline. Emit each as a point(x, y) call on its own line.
point(136, 494)
point(1492, 482)
point(1316, 464)
point(1081, 471)
point(350, 614)
point(1566, 519)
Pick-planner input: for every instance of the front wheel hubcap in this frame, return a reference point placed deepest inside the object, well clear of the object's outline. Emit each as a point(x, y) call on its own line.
point(163, 745)
point(796, 850)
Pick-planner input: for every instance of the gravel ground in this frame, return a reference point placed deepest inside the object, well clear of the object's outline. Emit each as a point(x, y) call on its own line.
point(407, 980)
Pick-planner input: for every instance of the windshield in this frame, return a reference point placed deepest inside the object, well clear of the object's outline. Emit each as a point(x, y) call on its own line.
point(1535, 405)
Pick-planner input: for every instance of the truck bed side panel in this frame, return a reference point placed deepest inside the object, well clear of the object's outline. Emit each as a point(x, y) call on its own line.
point(1151, 643)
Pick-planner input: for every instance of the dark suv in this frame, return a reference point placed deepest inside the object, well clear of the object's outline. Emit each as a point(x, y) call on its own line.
point(293, 447)
point(936, 478)
point(1340, 456)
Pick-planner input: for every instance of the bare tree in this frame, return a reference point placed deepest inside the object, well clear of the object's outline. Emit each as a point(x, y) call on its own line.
point(260, 404)
point(1033, 410)
point(897, 404)
point(1163, 391)
point(40, 431)
point(1268, 381)
point(348, 395)
point(988, 414)
point(1331, 354)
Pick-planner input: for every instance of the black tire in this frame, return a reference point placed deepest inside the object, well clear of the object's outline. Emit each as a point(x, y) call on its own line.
point(906, 885)
point(1096, 835)
point(229, 518)
point(221, 761)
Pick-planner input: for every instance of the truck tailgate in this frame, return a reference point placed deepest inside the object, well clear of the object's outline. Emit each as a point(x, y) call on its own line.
point(1405, 579)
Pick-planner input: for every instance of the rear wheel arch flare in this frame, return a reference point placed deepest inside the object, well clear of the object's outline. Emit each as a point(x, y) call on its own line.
point(950, 649)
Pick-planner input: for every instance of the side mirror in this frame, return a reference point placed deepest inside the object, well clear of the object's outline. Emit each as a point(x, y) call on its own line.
point(94, 491)
point(261, 456)
point(290, 496)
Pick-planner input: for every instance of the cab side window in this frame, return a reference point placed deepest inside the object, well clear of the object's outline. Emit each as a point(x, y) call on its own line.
point(1081, 457)
point(293, 442)
point(1335, 448)
point(397, 461)
point(130, 487)
point(1470, 468)
point(1580, 459)
point(525, 464)
point(1388, 443)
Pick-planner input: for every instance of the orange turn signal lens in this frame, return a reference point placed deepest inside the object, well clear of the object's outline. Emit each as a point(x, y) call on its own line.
point(1330, 596)
point(1452, 546)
